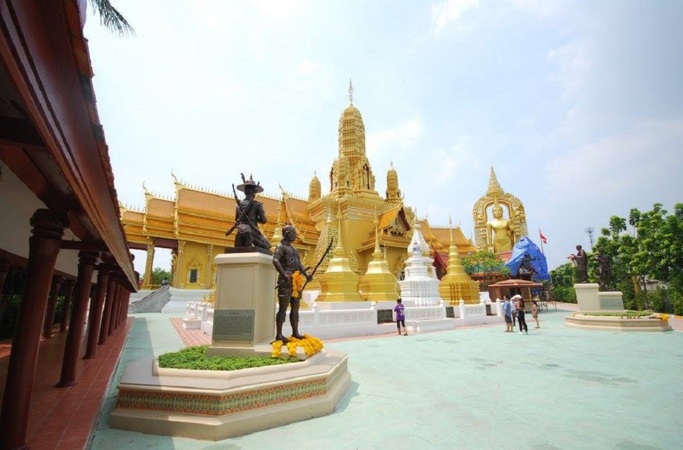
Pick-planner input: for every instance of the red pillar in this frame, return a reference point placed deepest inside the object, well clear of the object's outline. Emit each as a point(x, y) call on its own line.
point(119, 311)
point(68, 299)
point(48, 228)
point(51, 307)
point(114, 311)
point(86, 266)
point(96, 305)
point(4, 270)
point(112, 290)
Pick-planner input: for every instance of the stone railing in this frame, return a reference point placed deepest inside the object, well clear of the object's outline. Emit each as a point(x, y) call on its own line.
point(154, 302)
point(360, 318)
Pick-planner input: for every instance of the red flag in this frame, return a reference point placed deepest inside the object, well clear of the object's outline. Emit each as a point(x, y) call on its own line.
point(543, 239)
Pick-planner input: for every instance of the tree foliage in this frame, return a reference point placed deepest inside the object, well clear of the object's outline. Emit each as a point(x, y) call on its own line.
point(158, 274)
point(111, 18)
point(651, 249)
point(483, 261)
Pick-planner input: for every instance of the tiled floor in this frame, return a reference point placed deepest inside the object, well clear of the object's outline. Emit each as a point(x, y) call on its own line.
point(63, 418)
point(475, 388)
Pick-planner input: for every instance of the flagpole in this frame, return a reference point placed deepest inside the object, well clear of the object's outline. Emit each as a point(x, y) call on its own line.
point(541, 239)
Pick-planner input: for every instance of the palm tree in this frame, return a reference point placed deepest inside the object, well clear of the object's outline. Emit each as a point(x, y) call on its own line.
point(111, 18)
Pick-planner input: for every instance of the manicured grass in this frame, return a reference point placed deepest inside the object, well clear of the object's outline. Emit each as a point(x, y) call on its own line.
point(194, 358)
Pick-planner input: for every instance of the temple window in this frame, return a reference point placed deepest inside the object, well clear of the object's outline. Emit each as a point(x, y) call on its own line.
point(194, 275)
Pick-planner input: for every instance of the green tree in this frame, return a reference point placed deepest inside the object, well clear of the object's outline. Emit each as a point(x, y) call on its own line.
point(487, 265)
point(562, 283)
point(158, 274)
point(111, 18)
point(652, 250)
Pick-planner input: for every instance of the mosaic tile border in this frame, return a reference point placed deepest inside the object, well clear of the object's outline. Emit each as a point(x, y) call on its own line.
point(231, 403)
point(618, 323)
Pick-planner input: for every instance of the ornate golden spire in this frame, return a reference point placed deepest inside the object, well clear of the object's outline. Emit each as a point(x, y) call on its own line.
point(494, 189)
point(377, 254)
point(350, 92)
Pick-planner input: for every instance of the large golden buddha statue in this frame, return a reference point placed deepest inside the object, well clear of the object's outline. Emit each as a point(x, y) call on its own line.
point(500, 236)
point(497, 233)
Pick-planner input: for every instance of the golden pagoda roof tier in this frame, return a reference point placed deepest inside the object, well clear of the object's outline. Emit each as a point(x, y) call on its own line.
point(160, 207)
point(204, 202)
point(296, 213)
point(464, 245)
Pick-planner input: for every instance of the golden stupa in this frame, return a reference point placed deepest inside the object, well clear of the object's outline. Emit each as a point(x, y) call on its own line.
point(456, 285)
point(378, 283)
point(193, 223)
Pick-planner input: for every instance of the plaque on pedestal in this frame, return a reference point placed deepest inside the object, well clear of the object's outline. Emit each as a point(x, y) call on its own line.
point(244, 311)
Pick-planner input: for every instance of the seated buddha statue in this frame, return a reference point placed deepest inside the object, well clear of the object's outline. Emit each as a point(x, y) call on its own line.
point(500, 235)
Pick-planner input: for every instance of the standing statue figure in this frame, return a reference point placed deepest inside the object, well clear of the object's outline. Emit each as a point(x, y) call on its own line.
point(580, 260)
point(287, 263)
point(605, 270)
point(248, 214)
point(500, 235)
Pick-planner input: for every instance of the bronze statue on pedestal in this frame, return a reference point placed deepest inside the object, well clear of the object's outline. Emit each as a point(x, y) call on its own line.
point(248, 214)
point(288, 265)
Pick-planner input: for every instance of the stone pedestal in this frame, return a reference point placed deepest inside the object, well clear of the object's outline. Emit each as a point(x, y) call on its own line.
point(244, 314)
point(590, 298)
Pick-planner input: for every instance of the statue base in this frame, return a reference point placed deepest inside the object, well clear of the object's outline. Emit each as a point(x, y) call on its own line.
point(244, 310)
point(590, 299)
point(217, 405)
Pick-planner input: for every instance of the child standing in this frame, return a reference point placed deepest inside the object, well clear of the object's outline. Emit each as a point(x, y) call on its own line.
point(400, 317)
point(534, 312)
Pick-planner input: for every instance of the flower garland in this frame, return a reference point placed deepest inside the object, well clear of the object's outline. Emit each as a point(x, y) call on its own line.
point(298, 281)
point(310, 344)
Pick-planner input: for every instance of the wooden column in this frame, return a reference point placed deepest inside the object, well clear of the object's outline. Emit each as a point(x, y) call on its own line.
point(86, 266)
point(51, 307)
point(48, 228)
point(112, 290)
point(68, 300)
point(96, 306)
point(4, 271)
point(114, 311)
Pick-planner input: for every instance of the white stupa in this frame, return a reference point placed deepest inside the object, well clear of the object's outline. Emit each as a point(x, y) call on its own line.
point(420, 286)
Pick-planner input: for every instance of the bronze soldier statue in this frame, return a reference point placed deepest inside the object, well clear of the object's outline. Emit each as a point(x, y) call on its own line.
point(248, 214)
point(604, 270)
point(286, 261)
point(581, 262)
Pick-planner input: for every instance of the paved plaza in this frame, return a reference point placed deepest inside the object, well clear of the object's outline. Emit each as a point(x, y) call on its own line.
point(470, 388)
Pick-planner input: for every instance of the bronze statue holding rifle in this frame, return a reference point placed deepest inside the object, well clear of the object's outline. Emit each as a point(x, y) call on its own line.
point(290, 282)
point(248, 214)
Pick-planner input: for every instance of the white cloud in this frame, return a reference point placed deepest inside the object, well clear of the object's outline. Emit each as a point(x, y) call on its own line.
point(543, 9)
point(632, 164)
point(308, 67)
point(450, 13)
point(401, 136)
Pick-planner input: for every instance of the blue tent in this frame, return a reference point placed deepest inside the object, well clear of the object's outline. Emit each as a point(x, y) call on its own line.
point(526, 249)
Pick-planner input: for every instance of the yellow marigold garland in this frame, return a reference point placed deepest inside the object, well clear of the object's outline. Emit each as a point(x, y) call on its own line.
point(310, 344)
point(298, 280)
point(277, 346)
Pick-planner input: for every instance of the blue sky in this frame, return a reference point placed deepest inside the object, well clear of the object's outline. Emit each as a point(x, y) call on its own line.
point(578, 105)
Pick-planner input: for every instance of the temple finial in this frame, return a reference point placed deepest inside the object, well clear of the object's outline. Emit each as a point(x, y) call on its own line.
point(494, 189)
point(350, 91)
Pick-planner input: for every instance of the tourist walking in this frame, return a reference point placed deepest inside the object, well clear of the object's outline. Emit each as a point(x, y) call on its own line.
point(507, 312)
point(520, 314)
point(513, 305)
point(534, 312)
point(399, 309)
